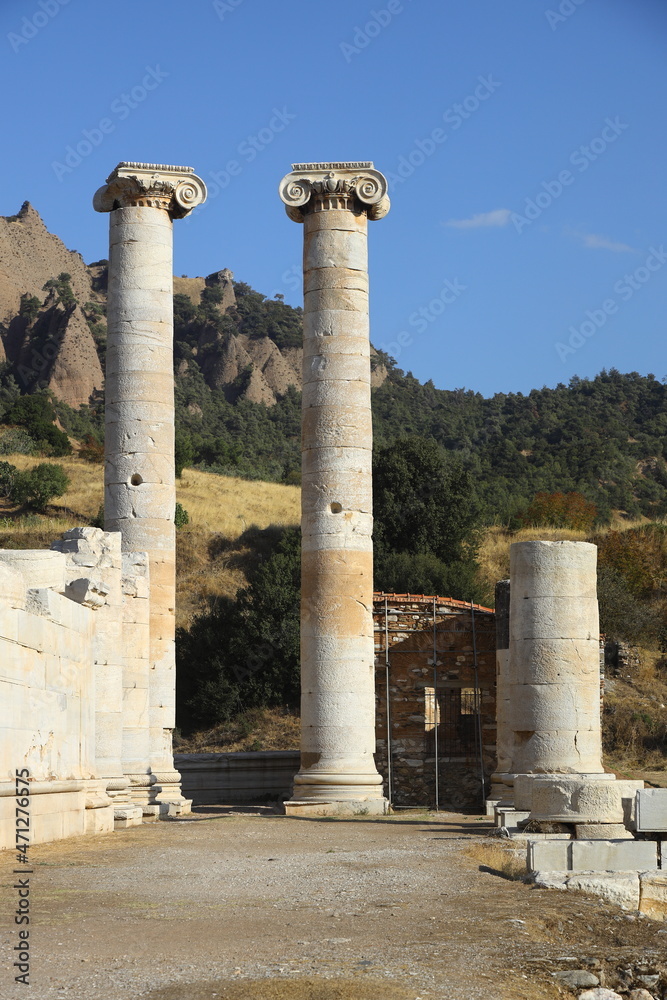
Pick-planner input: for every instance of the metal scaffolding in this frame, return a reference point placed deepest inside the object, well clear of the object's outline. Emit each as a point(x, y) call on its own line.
point(448, 730)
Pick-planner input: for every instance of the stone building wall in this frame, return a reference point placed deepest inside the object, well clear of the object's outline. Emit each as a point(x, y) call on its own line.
point(421, 692)
point(62, 652)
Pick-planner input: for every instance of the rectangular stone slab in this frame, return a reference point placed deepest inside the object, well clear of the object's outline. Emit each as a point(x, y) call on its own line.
point(613, 855)
point(652, 809)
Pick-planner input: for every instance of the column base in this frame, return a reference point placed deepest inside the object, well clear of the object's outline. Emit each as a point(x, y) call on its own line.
point(337, 793)
point(99, 809)
point(340, 807)
point(166, 794)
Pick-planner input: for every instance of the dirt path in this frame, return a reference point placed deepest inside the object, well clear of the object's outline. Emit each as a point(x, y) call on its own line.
point(261, 906)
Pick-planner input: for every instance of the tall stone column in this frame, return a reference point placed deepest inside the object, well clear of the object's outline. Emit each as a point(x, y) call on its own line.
point(338, 775)
point(554, 663)
point(140, 495)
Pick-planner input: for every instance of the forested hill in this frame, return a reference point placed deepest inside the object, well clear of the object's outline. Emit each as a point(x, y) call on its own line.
point(604, 437)
point(238, 363)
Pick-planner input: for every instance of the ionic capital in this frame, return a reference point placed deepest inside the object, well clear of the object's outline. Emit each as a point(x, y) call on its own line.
point(154, 185)
point(318, 187)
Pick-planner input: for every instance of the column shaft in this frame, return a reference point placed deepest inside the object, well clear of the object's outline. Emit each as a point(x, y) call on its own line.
point(140, 493)
point(554, 658)
point(338, 772)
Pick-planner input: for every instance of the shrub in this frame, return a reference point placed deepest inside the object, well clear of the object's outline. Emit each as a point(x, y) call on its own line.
point(91, 450)
point(39, 485)
point(16, 441)
point(181, 516)
point(8, 475)
point(561, 510)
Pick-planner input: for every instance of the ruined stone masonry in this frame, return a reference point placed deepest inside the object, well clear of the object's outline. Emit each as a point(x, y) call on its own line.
point(334, 202)
point(87, 629)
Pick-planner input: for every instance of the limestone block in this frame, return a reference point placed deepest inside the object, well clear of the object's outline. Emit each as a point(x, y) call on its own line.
point(151, 467)
point(336, 392)
point(558, 751)
point(336, 219)
point(653, 894)
point(334, 248)
point(130, 436)
point(551, 880)
point(556, 661)
point(343, 368)
point(321, 342)
point(541, 569)
point(620, 888)
point(12, 586)
point(554, 617)
point(652, 809)
point(151, 416)
point(549, 855)
point(141, 358)
point(39, 568)
point(550, 707)
point(565, 800)
point(602, 831)
point(335, 277)
point(151, 500)
point(337, 327)
point(613, 855)
point(343, 530)
point(88, 592)
point(336, 298)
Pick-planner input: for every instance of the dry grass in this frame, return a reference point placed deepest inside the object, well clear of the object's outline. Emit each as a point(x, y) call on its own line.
point(215, 549)
point(212, 555)
point(257, 729)
point(634, 724)
point(226, 505)
point(83, 498)
point(494, 553)
point(501, 859)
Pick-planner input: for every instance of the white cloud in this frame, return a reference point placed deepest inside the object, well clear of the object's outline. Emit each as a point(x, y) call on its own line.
point(499, 217)
point(595, 242)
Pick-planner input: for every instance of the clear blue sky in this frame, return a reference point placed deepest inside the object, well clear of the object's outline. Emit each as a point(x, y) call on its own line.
point(265, 83)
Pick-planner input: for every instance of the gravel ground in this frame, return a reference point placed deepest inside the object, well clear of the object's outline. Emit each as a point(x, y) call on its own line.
point(263, 906)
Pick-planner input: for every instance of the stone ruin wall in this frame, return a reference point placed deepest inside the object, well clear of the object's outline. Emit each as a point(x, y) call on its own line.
point(71, 654)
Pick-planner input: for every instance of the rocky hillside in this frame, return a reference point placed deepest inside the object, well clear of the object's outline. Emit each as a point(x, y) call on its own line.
point(52, 326)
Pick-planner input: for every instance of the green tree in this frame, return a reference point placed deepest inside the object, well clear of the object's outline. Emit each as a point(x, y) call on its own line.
point(38, 486)
point(30, 306)
point(245, 653)
point(427, 517)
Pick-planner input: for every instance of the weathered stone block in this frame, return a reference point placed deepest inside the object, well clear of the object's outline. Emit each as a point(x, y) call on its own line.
point(653, 894)
point(613, 855)
point(652, 809)
point(621, 888)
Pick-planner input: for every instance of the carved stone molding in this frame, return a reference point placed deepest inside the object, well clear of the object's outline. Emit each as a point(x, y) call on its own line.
point(156, 185)
point(318, 187)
